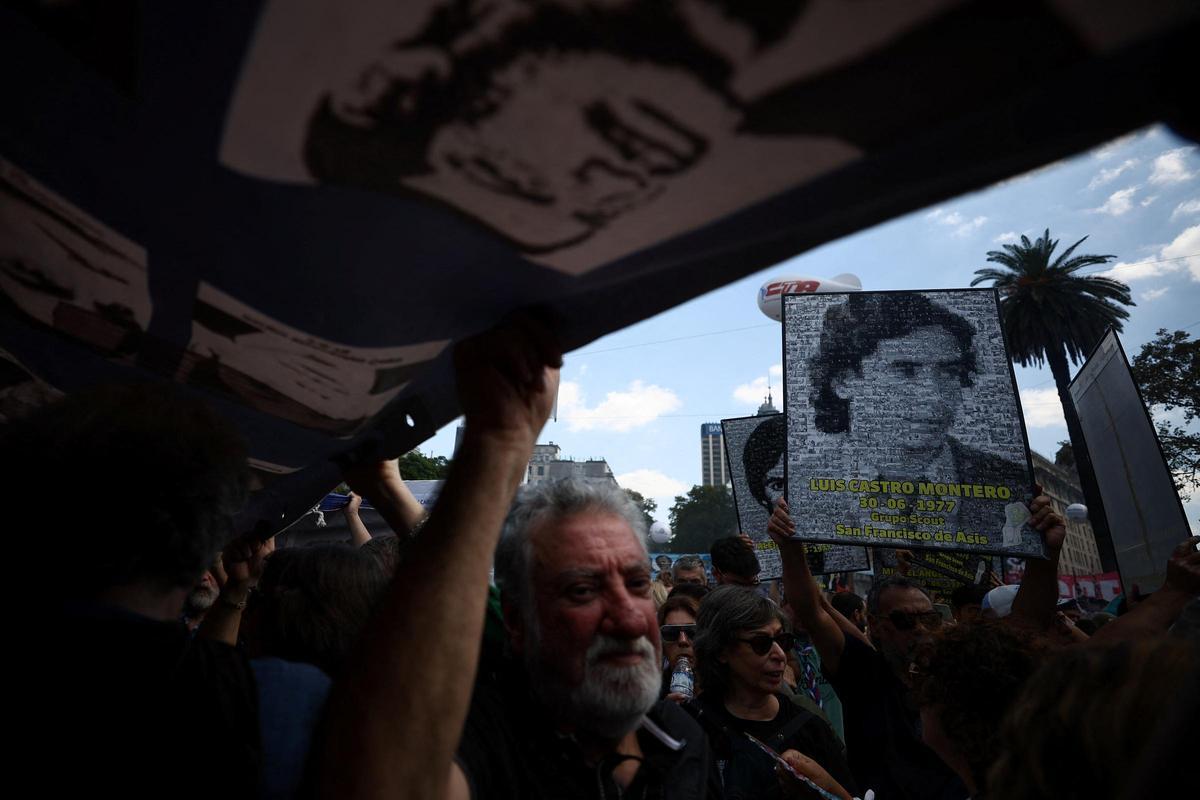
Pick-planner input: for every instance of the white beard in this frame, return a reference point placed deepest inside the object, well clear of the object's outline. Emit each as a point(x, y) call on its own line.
point(610, 701)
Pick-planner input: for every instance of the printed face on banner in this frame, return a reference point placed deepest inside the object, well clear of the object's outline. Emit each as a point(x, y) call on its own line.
point(665, 562)
point(273, 367)
point(578, 131)
point(903, 424)
point(67, 271)
point(755, 447)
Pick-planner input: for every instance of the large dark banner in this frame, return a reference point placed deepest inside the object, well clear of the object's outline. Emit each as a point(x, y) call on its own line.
point(1143, 509)
point(754, 448)
point(294, 209)
point(903, 425)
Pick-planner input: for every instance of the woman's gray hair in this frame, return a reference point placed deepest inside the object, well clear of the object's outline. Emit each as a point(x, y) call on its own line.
point(554, 500)
point(724, 614)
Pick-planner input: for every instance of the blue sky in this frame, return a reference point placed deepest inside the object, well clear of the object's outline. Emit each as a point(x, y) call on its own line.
point(638, 397)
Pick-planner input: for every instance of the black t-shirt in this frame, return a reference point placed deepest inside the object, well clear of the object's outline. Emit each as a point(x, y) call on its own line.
point(510, 750)
point(802, 730)
point(883, 731)
point(137, 706)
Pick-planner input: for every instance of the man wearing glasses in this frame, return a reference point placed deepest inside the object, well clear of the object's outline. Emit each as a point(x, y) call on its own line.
point(689, 570)
point(883, 739)
point(873, 681)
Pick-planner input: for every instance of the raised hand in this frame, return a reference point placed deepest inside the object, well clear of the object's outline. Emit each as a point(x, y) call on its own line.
point(810, 769)
point(1183, 568)
point(371, 479)
point(780, 527)
point(1047, 522)
point(508, 379)
point(244, 559)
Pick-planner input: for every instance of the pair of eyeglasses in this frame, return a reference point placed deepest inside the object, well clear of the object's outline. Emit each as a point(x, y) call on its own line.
point(761, 643)
point(905, 621)
point(671, 633)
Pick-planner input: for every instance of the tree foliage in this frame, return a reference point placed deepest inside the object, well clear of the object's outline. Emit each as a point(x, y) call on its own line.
point(1046, 306)
point(1051, 314)
point(704, 514)
point(1168, 372)
point(647, 506)
point(417, 467)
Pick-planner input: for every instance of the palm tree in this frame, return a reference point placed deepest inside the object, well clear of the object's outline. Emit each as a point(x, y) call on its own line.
point(1051, 314)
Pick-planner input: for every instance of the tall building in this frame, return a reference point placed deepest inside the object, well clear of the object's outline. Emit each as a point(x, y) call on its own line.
point(1061, 484)
point(546, 464)
point(713, 471)
point(713, 468)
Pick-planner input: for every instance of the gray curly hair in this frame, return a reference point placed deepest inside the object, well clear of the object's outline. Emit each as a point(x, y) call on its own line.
point(553, 500)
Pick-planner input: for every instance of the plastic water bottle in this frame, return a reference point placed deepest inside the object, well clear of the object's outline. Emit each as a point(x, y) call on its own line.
point(683, 679)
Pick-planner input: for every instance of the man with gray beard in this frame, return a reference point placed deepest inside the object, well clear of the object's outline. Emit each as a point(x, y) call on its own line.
point(199, 600)
point(574, 711)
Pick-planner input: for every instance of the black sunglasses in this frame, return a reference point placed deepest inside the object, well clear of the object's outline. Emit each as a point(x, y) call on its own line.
point(904, 621)
point(671, 633)
point(761, 643)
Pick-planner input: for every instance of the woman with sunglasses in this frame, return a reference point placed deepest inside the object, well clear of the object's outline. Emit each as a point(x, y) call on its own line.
point(677, 628)
point(741, 651)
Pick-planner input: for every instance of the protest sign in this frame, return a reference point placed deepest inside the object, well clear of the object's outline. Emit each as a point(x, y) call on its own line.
point(294, 209)
point(903, 424)
point(754, 450)
point(940, 573)
point(663, 562)
point(1143, 509)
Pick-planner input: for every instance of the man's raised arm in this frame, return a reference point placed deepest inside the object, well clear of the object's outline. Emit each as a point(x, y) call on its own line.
point(396, 716)
point(802, 592)
point(1038, 596)
point(381, 483)
point(1154, 615)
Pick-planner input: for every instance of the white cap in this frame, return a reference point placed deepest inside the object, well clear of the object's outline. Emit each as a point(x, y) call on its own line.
point(1000, 600)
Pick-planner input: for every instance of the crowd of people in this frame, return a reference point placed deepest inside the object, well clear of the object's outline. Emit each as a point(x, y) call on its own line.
point(175, 658)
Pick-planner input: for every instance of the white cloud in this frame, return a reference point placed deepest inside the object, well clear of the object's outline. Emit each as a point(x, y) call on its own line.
point(1109, 175)
point(1171, 167)
point(754, 392)
point(962, 226)
point(1153, 294)
point(635, 407)
point(1185, 247)
point(1042, 408)
point(1118, 203)
point(1182, 250)
point(652, 483)
point(1147, 201)
point(1007, 236)
point(1186, 208)
point(1138, 271)
point(967, 228)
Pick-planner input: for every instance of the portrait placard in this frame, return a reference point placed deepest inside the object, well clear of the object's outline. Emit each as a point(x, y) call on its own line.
point(754, 448)
point(903, 425)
